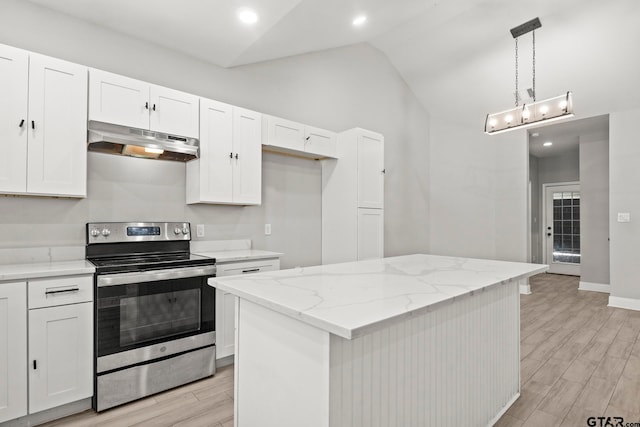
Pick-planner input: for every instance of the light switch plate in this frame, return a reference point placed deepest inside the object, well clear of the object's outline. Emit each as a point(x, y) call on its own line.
point(200, 230)
point(267, 229)
point(624, 217)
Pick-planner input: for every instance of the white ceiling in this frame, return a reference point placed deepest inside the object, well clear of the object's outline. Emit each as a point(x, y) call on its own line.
point(455, 55)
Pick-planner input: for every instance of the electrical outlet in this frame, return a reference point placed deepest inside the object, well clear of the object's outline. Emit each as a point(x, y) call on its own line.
point(267, 229)
point(624, 217)
point(200, 230)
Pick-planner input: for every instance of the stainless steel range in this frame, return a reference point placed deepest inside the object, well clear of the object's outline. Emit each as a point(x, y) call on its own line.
point(154, 312)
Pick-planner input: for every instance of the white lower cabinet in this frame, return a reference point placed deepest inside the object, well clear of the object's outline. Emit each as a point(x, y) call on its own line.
point(226, 305)
point(54, 316)
point(370, 233)
point(13, 350)
point(60, 355)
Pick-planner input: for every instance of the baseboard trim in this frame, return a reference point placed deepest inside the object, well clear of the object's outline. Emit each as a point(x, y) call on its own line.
point(594, 287)
point(504, 410)
point(627, 303)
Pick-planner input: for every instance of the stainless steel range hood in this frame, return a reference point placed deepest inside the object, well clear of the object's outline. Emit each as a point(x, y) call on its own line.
point(122, 140)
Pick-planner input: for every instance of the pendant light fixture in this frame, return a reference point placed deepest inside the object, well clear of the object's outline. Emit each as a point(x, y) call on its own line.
point(526, 115)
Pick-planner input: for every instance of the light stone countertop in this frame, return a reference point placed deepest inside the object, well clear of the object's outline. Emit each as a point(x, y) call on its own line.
point(35, 270)
point(353, 298)
point(240, 255)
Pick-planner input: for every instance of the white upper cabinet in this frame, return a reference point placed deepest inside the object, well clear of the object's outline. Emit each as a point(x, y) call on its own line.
point(229, 170)
point(284, 136)
point(284, 133)
point(14, 87)
point(370, 170)
point(118, 100)
point(247, 174)
point(173, 111)
point(129, 102)
point(57, 155)
point(43, 125)
point(320, 141)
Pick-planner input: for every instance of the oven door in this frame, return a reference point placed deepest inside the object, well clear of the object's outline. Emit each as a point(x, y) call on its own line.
point(138, 314)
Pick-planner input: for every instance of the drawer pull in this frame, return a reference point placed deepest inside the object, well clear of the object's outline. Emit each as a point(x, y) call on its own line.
point(35, 365)
point(62, 291)
point(252, 270)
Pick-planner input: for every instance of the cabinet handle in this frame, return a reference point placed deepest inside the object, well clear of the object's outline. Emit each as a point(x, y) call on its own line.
point(146, 105)
point(231, 155)
point(251, 270)
point(62, 291)
point(33, 124)
point(384, 170)
point(307, 138)
point(21, 123)
point(154, 107)
point(35, 365)
point(236, 156)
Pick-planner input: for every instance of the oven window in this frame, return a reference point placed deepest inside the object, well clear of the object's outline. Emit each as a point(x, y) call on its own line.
point(139, 314)
point(151, 317)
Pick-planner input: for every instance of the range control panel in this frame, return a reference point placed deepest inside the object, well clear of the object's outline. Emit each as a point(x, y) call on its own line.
point(115, 232)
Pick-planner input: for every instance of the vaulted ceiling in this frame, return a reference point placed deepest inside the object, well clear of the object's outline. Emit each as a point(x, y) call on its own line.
point(456, 55)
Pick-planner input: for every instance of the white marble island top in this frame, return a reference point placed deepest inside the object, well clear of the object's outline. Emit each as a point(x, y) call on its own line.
point(350, 299)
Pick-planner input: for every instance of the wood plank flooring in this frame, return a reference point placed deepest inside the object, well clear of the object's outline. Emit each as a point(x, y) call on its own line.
point(580, 359)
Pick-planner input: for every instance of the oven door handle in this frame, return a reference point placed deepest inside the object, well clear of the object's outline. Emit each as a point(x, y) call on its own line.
point(154, 275)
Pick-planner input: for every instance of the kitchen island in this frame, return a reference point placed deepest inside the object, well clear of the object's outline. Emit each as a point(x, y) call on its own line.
point(417, 340)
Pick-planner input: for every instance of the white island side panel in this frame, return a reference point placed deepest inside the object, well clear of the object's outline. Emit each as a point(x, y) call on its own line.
point(281, 370)
point(455, 365)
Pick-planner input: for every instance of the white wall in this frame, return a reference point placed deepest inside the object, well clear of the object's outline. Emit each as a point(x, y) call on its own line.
point(477, 183)
point(594, 210)
point(335, 89)
point(624, 181)
point(536, 247)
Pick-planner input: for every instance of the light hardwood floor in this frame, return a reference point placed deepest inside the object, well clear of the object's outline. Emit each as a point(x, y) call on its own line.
point(580, 359)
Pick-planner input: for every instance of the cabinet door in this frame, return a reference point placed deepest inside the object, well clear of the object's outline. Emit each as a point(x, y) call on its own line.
point(370, 233)
point(320, 141)
point(60, 355)
point(247, 173)
point(13, 350)
point(226, 305)
point(370, 171)
point(284, 133)
point(119, 100)
point(57, 153)
point(225, 321)
point(216, 152)
point(14, 75)
point(174, 112)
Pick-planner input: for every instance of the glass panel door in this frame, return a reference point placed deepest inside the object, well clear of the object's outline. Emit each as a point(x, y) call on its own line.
point(562, 222)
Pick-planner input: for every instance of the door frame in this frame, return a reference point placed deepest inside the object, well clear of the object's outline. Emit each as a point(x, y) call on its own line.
point(543, 223)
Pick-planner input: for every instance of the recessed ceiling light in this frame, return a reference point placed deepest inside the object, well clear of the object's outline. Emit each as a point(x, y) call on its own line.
point(247, 16)
point(548, 144)
point(535, 134)
point(359, 20)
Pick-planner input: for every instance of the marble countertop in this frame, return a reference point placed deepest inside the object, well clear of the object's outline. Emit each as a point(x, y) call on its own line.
point(239, 255)
point(25, 271)
point(351, 298)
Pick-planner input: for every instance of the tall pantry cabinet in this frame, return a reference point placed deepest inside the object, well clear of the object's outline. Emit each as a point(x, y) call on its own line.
point(353, 198)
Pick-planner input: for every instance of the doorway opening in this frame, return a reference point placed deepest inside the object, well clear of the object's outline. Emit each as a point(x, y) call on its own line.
point(569, 199)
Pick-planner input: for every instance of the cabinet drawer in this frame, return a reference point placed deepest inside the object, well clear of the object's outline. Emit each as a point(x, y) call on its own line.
point(60, 291)
point(237, 268)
